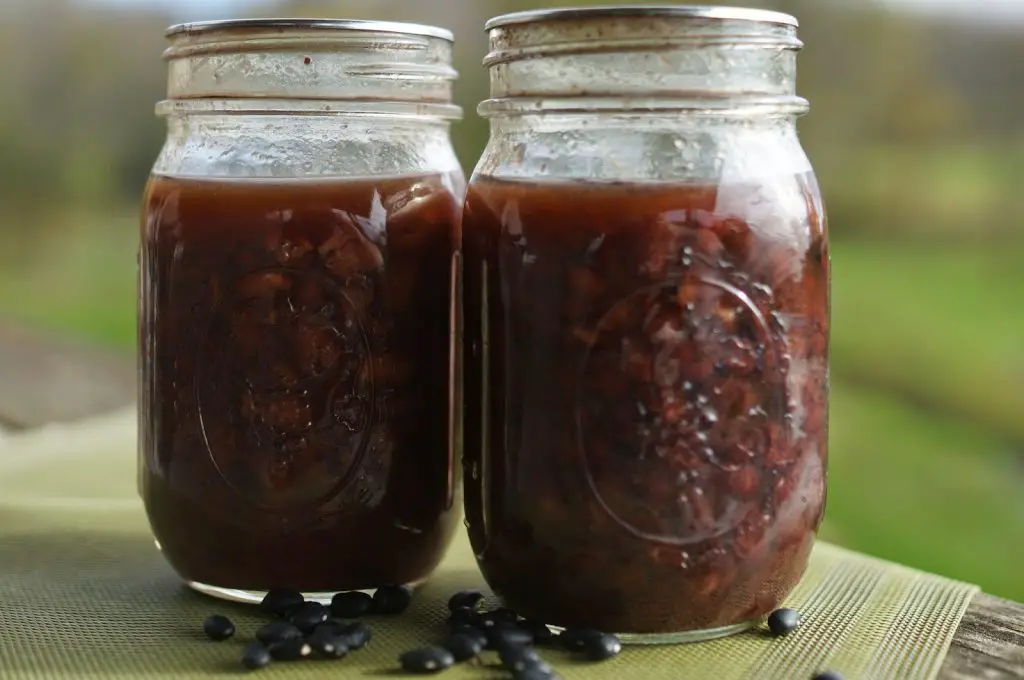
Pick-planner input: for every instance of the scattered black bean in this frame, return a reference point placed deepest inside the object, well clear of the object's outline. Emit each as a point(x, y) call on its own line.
point(575, 639)
point(290, 650)
point(601, 647)
point(351, 605)
point(278, 631)
point(828, 675)
point(503, 635)
point(328, 646)
point(470, 599)
point(331, 629)
point(255, 656)
point(218, 627)
point(487, 620)
point(391, 600)
point(356, 635)
point(278, 601)
point(542, 635)
point(543, 672)
point(463, 616)
point(308, 616)
point(505, 615)
point(517, 658)
point(426, 660)
point(472, 633)
point(783, 621)
point(464, 647)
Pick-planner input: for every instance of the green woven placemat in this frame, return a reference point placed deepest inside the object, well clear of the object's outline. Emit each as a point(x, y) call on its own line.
point(84, 593)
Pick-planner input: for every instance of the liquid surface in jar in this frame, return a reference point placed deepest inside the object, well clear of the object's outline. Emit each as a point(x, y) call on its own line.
point(646, 397)
point(296, 429)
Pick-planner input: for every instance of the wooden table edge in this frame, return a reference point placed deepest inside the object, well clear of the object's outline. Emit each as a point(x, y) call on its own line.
point(988, 643)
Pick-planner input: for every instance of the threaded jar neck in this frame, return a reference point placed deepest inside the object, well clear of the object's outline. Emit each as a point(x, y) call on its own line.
point(642, 57)
point(313, 64)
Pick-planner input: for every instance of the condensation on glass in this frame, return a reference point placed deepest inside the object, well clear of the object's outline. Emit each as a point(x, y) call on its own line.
point(646, 321)
point(298, 269)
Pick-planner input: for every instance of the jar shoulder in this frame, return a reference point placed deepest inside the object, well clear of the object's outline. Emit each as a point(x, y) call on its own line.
point(644, 149)
point(292, 147)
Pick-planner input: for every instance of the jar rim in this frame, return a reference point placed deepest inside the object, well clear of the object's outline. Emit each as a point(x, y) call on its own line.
point(665, 11)
point(401, 28)
point(298, 107)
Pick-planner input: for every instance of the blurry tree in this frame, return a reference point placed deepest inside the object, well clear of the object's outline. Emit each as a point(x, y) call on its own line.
point(871, 78)
point(77, 125)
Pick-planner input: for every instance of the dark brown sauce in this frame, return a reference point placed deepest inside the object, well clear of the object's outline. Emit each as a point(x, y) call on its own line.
point(295, 426)
point(646, 398)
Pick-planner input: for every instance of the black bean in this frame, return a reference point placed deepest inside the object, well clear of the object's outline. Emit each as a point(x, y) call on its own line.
point(255, 656)
point(542, 635)
point(828, 675)
point(517, 658)
point(542, 672)
point(426, 660)
point(278, 631)
point(329, 646)
point(484, 620)
point(783, 621)
point(278, 601)
point(470, 599)
point(575, 639)
point(464, 647)
point(356, 635)
point(601, 647)
point(471, 632)
point(504, 615)
point(290, 650)
point(503, 635)
point(218, 627)
point(308, 616)
point(501, 617)
point(463, 616)
point(351, 605)
point(390, 600)
point(331, 628)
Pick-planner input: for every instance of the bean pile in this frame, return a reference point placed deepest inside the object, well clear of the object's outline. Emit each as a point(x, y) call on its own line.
point(303, 629)
point(473, 630)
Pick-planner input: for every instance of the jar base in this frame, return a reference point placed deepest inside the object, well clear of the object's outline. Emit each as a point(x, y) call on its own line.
point(243, 596)
point(683, 637)
point(256, 596)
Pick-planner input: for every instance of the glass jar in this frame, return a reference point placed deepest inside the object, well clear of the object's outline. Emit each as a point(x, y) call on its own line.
point(646, 320)
point(298, 262)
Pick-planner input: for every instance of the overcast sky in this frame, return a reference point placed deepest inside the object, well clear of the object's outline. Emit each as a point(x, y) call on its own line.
point(982, 9)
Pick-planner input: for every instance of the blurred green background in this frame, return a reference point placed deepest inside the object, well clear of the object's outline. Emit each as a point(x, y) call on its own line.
point(917, 133)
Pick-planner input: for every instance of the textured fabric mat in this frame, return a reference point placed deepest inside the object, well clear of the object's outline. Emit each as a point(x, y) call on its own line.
point(84, 593)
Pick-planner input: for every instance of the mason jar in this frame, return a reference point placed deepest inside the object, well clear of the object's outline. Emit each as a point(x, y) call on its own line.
point(299, 251)
point(646, 321)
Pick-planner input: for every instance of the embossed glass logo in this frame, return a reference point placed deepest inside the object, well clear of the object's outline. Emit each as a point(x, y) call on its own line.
point(680, 397)
point(285, 386)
